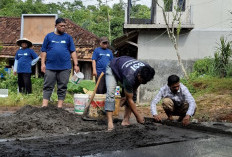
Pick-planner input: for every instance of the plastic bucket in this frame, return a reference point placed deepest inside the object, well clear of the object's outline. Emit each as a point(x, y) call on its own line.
point(97, 105)
point(80, 101)
point(77, 77)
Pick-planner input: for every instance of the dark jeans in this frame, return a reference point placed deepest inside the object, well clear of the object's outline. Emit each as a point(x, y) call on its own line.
point(101, 89)
point(24, 83)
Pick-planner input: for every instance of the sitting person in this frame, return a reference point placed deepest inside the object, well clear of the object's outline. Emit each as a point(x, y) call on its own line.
point(177, 101)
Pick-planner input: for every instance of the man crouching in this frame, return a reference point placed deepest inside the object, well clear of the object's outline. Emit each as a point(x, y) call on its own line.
point(177, 101)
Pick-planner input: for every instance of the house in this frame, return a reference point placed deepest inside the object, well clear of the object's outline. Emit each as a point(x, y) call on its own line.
point(203, 22)
point(85, 42)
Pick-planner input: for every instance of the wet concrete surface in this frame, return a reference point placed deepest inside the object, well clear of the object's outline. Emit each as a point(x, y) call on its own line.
point(212, 147)
point(50, 131)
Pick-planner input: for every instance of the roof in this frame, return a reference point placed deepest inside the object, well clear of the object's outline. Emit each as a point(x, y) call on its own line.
point(10, 28)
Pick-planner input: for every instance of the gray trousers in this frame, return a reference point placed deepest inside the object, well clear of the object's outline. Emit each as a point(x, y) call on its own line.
point(50, 79)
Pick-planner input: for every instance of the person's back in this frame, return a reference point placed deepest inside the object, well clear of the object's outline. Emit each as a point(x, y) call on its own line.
point(126, 67)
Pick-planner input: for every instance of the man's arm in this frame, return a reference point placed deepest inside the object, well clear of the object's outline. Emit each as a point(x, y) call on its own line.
point(43, 59)
point(190, 100)
point(15, 66)
point(94, 68)
point(74, 58)
point(129, 97)
point(192, 106)
point(155, 101)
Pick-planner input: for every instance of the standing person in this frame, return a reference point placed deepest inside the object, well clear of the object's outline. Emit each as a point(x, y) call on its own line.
point(177, 101)
point(131, 73)
point(57, 49)
point(22, 65)
point(100, 59)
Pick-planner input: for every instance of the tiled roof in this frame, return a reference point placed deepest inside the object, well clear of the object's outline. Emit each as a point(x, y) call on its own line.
point(84, 40)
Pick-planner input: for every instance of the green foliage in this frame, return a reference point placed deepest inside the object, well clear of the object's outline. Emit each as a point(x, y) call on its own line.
point(222, 57)
point(2, 66)
point(17, 99)
point(220, 65)
point(92, 18)
point(204, 67)
point(168, 5)
point(141, 11)
point(87, 84)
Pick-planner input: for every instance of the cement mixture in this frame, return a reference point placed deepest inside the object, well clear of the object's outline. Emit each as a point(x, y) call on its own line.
point(50, 131)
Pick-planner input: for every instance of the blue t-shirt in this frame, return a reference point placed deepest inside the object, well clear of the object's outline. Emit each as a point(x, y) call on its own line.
point(25, 57)
point(58, 49)
point(102, 58)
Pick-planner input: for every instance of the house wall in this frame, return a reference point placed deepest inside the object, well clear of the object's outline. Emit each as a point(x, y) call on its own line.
point(201, 13)
point(211, 20)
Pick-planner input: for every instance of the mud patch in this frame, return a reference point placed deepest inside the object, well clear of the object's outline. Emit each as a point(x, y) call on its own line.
point(33, 121)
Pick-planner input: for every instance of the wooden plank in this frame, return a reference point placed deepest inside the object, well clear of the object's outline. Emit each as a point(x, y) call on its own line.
point(37, 27)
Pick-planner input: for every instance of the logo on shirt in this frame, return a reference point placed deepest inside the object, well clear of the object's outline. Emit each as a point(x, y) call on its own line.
point(23, 54)
point(133, 64)
point(62, 41)
point(102, 54)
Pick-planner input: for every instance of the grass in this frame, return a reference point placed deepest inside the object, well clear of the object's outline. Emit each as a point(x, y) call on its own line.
point(17, 99)
point(213, 97)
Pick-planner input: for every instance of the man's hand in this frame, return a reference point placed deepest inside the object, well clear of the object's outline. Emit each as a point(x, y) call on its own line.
point(76, 68)
point(95, 73)
point(186, 120)
point(43, 68)
point(140, 119)
point(157, 118)
point(15, 73)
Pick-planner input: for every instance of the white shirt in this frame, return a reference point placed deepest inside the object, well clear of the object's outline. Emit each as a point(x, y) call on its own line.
point(182, 95)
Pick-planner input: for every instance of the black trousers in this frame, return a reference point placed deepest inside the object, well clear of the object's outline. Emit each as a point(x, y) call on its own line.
point(101, 89)
point(24, 83)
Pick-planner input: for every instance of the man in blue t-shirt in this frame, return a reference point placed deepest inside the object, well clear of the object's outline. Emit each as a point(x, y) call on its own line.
point(57, 50)
point(100, 59)
point(130, 73)
point(22, 65)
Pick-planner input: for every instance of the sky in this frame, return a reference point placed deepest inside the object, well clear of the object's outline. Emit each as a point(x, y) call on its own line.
point(94, 2)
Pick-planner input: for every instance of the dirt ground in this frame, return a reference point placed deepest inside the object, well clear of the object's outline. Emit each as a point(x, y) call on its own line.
point(50, 131)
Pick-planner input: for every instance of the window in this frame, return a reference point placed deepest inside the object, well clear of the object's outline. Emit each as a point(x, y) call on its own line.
point(168, 5)
point(181, 5)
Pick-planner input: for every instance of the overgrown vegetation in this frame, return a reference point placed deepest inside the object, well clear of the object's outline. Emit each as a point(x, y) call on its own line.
point(17, 99)
point(211, 85)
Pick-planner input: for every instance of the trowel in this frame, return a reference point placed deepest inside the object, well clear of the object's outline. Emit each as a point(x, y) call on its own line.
point(86, 111)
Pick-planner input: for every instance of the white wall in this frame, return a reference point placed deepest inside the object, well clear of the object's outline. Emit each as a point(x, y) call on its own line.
point(208, 14)
point(202, 13)
point(198, 43)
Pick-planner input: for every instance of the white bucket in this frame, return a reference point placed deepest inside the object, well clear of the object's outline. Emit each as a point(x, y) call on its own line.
point(77, 77)
point(80, 102)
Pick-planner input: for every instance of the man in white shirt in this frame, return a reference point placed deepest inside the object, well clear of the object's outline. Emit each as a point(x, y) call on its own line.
point(177, 101)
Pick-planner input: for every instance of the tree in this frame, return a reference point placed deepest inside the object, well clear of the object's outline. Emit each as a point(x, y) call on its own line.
point(172, 30)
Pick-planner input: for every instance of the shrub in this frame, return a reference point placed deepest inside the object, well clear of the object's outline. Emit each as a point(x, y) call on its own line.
point(222, 57)
point(204, 67)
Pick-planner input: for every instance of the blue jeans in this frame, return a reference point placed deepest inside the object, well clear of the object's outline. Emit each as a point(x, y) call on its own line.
point(111, 84)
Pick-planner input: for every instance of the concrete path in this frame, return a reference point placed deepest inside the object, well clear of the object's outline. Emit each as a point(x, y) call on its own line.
point(213, 147)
